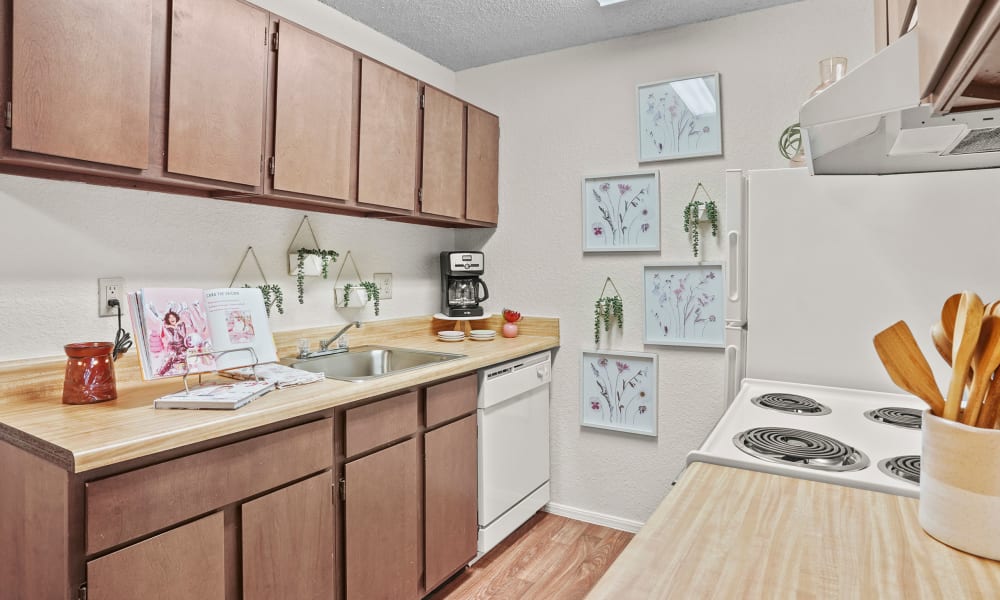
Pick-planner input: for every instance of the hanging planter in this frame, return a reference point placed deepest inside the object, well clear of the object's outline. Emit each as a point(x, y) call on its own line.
point(273, 296)
point(308, 262)
point(355, 293)
point(608, 310)
point(697, 212)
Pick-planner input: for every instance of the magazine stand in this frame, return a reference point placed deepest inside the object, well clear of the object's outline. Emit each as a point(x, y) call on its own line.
point(216, 354)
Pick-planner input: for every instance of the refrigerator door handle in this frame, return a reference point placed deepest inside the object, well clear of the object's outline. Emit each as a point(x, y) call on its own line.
point(732, 372)
point(734, 266)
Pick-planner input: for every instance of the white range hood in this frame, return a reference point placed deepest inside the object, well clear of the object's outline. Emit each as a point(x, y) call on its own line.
point(872, 122)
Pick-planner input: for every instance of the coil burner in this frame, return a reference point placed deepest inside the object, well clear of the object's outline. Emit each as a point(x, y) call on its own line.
point(904, 468)
point(791, 403)
point(800, 448)
point(893, 415)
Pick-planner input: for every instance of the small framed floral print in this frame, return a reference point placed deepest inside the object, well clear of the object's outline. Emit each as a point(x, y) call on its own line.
point(680, 118)
point(683, 305)
point(618, 391)
point(621, 213)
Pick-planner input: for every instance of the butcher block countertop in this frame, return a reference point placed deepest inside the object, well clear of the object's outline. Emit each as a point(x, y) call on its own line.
point(731, 533)
point(82, 438)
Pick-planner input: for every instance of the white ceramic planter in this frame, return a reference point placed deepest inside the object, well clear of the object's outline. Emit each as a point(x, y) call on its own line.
point(960, 485)
point(359, 298)
point(312, 266)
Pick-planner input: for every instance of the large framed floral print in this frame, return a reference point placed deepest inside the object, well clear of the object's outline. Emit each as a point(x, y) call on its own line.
point(680, 118)
point(683, 305)
point(621, 213)
point(618, 391)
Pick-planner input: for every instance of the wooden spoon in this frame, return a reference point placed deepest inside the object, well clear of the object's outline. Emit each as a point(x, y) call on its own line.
point(991, 405)
point(968, 321)
point(949, 313)
point(942, 343)
point(907, 366)
point(986, 360)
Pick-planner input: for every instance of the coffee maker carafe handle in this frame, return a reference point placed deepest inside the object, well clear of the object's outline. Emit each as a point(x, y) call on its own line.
point(486, 291)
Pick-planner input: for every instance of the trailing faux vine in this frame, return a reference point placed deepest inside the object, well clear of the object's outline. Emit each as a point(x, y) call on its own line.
point(272, 297)
point(691, 221)
point(325, 256)
point(606, 310)
point(371, 290)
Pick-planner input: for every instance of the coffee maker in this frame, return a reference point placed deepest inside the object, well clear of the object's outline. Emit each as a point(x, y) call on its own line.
point(460, 284)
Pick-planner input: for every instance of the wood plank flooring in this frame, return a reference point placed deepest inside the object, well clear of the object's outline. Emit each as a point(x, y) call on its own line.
point(548, 557)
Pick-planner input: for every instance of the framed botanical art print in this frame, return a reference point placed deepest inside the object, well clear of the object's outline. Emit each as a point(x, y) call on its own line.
point(680, 118)
point(683, 305)
point(618, 391)
point(621, 213)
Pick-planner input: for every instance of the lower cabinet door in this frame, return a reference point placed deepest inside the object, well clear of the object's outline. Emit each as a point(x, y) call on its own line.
point(382, 525)
point(185, 563)
point(288, 542)
point(450, 489)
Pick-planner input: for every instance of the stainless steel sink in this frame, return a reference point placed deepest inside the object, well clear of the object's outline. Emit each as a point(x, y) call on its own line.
point(371, 362)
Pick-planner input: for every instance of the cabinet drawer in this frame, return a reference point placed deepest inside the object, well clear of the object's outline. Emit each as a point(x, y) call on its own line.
point(126, 506)
point(451, 399)
point(379, 423)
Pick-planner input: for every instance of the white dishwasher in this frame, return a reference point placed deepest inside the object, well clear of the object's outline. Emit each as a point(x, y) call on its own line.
point(513, 445)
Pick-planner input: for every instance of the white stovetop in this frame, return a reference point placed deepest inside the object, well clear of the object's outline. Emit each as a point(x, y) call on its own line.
point(845, 423)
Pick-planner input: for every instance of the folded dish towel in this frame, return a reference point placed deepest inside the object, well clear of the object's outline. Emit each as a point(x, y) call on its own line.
point(278, 374)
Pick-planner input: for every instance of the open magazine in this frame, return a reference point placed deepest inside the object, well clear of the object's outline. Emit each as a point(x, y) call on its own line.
point(185, 330)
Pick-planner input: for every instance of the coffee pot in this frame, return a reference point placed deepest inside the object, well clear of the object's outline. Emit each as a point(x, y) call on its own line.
point(461, 286)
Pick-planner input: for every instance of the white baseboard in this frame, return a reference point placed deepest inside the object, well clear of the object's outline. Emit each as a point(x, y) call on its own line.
point(596, 518)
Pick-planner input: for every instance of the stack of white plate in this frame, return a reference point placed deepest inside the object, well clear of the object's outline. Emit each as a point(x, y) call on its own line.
point(451, 336)
point(482, 335)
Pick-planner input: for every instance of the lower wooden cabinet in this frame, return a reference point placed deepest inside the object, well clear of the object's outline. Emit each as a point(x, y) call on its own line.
point(450, 499)
point(288, 539)
point(382, 524)
point(185, 562)
point(409, 509)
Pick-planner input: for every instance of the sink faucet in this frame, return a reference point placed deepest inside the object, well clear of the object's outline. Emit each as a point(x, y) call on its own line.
point(323, 345)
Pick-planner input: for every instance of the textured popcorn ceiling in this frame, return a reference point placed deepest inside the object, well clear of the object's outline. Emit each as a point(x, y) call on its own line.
point(461, 34)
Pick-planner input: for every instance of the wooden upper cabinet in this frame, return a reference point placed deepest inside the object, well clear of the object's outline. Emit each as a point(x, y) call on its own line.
point(316, 99)
point(390, 121)
point(288, 541)
point(218, 72)
point(443, 182)
point(185, 562)
point(81, 79)
point(482, 166)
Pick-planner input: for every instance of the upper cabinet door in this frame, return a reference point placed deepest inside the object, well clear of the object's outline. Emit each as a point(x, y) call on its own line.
point(218, 72)
point(390, 121)
point(443, 182)
point(483, 173)
point(81, 79)
point(314, 115)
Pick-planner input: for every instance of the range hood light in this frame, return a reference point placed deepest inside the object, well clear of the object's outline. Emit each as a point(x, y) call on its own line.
point(696, 95)
point(609, 2)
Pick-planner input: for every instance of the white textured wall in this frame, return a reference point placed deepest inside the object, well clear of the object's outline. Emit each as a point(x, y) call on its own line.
point(57, 238)
point(571, 113)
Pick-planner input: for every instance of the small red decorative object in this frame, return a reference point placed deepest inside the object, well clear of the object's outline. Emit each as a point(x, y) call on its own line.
point(511, 316)
point(90, 373)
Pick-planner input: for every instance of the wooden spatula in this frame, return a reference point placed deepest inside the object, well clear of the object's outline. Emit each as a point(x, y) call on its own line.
point(942, 341)
point(907, 366)
point(968, 321)
point(949, 313)
point(986, 360)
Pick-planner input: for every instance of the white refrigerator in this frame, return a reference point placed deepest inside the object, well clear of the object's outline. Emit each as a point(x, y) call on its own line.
point(817, 265)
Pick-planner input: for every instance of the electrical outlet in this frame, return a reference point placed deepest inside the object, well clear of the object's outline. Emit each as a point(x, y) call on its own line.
point(384, 283)
point(110, 288)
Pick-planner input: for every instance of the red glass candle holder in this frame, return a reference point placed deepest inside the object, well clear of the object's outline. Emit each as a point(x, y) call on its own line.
point(90, 373)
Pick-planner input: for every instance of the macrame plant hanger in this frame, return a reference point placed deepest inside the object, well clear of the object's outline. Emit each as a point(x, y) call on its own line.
point(601, 311)
point(272, 292)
